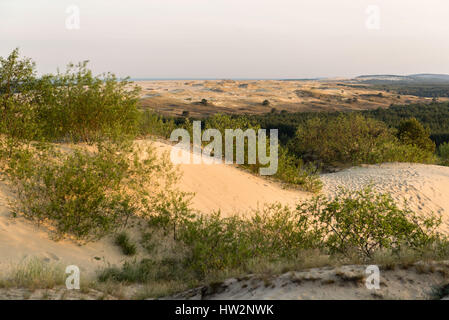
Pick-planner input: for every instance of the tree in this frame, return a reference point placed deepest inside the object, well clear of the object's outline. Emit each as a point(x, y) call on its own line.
point(412, 132)
point(17, 79)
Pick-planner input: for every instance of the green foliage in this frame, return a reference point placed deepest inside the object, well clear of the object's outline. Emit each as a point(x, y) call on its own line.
point(146, 270)
point(17, 80)
point(411, 132)
point(360, 223)
point(154, 124)
point(78, 106)
point(16, 76)
point(79, 192)
point(366, 222)
point(221, 243)
point(443, 152)
point(90, 193)
point(351, 139)
point(292, 170)
point(124, 242)
point(71, 106)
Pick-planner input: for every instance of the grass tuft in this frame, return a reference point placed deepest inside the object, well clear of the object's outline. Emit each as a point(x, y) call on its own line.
point(124, 242)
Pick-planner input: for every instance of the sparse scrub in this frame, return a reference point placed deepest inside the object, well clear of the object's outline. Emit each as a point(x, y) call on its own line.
point(290, 169)
point(153, 124)
point(361, 223)
point(354, 228)
point(352, 140)
point(90, 193)
point(368, 222)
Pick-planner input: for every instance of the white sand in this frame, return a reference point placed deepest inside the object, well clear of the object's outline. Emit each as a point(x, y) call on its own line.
point(424, 187)
point(232, 190)
point(341, 283)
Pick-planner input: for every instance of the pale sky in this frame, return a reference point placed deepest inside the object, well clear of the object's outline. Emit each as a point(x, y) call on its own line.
point(231, 38)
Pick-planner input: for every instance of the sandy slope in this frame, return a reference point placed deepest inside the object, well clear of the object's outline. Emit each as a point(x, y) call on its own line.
point(424, 187)
point(21, 239)
point(418, 281)
point(230, 189)
point(216, 187)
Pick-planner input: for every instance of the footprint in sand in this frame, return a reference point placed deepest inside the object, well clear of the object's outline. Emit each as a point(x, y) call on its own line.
point(53, 256)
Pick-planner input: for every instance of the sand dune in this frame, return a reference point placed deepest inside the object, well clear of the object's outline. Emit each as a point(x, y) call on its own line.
point(216, 186)
point(172, 97)
point(21, 239)
point(424, 187)
point(232, 190)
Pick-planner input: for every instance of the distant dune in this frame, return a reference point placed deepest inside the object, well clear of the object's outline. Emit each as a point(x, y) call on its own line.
point(173, 97)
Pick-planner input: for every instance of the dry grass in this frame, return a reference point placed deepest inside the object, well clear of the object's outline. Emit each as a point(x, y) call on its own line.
point(33, 273)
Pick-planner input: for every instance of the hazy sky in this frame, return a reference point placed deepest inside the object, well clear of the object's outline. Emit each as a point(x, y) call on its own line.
point(232, 38)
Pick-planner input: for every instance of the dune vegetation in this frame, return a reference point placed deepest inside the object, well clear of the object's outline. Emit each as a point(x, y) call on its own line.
point(67, 144)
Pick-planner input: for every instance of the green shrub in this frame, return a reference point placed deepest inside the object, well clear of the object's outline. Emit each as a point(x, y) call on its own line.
point(290, 169)
point(215, 243)
point(90, 193)
point(17, 114)
point(362, 222)
point(71, 106)
point(354, 227)
point(366, 221)
point(124, 242)
point(79, 192)
point(153, 124)
point(443, 152)
point(352, 139)
point(78, 106)
point(146, 270)
point(293, 171)
point(412, 132)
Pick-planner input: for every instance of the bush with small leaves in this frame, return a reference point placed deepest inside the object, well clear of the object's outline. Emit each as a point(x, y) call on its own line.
point(367, 221)
point(412, 132)
point(443, 152)
point(88, 193)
